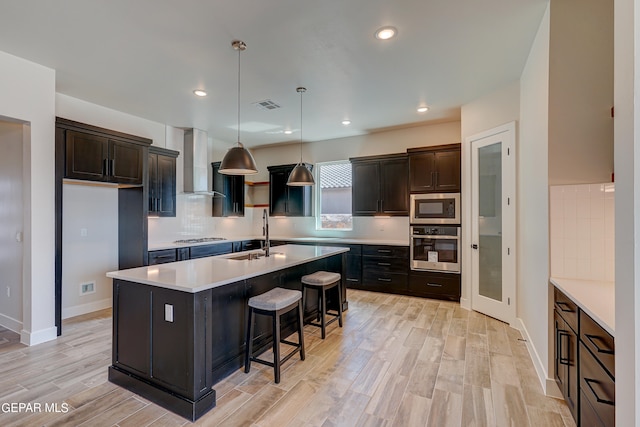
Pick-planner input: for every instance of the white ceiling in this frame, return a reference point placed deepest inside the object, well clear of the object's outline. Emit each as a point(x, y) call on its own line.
point(145, 57)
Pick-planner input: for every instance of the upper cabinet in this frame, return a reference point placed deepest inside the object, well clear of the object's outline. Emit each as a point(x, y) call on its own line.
point(232, 186)
point(162, 182)
point(97, 154)
point(285, 200)
point(435, 169)
point(380, 185)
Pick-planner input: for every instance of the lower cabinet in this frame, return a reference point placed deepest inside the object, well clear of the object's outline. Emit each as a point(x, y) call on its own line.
point(162, 256)
point(431, 284)
point(584, 356)
point(565, 357)
point(385, 268)
point(210, 250)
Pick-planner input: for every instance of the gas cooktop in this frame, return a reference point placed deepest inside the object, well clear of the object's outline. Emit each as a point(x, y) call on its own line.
point(200, 240)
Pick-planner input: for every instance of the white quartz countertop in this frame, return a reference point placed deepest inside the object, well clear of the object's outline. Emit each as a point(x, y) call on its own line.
point(205, 273)
point(340, 240)
point(596, 298)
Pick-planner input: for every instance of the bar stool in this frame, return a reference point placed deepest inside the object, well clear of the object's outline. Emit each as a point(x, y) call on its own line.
point(323, 281)
point(274, 303)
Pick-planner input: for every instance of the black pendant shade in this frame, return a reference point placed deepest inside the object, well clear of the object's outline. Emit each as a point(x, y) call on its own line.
point(238, 161)
point(300, 176)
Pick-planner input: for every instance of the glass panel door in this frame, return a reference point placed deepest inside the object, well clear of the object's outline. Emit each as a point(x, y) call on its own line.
point(489, 176)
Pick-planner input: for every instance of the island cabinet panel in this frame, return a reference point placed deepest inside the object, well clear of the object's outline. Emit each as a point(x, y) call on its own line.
point(132, 349)
point(228, 305)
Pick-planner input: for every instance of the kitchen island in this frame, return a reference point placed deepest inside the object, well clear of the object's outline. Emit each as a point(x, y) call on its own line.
point(179, 328)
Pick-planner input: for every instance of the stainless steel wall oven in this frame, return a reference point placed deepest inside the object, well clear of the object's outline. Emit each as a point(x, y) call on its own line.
point(435, 248)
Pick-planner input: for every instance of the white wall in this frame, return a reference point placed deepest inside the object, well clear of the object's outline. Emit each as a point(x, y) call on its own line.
point(87, 258)
point(28, 95)
point(627, 216)
point(533, 291)
point(11, 225)
point(580, 91)
point(490, 111)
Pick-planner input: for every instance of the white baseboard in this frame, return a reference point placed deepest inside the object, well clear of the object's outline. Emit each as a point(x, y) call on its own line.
point(10, 323)
point(90, 307)
point(537, 362)
point(38, 337)
point(465, 303)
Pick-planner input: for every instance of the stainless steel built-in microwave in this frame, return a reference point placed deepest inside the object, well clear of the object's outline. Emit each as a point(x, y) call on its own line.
point(440, 208)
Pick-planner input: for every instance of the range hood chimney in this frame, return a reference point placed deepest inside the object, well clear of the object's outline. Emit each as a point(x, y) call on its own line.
point(196, 179)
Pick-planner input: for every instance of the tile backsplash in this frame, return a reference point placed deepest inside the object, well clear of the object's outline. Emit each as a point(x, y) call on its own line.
point(582, 231)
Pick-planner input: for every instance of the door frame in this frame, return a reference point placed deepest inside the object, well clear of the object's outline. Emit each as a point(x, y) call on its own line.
point(509, 273)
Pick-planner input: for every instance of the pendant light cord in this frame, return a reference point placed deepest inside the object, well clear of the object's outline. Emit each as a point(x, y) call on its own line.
point(239, 51)
point(301, 92)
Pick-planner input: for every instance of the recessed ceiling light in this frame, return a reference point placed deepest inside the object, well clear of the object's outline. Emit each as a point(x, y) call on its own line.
point(199, 92)
point(346, 122)
point(423, 109)
point(385, 33)
point(288, 132)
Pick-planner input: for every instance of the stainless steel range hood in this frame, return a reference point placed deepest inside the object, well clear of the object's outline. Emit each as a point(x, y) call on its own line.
point(196, 167)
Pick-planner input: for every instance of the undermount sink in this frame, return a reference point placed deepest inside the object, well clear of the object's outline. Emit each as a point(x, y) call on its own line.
point(250, 256)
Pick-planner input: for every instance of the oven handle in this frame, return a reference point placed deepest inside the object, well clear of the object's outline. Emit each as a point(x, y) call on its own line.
point(428, 236)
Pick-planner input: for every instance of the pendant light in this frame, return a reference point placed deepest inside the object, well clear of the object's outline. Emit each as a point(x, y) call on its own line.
point(238, 160)
point(300, 175)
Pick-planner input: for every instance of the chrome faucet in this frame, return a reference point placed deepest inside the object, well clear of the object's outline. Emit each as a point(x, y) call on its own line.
point(265, 232)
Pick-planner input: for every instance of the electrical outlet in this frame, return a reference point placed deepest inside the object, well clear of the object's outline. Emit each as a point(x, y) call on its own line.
point(87, 288)
point(8, 292)
point(168, 312)
point(83, 232)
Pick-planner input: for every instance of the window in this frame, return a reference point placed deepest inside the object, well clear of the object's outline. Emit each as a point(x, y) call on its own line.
point(333, 190)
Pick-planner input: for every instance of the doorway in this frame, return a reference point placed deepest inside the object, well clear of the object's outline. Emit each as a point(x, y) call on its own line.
point(11, 225)
point(493, 231)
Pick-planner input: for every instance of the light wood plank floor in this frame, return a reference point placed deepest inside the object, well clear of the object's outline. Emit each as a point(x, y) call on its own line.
point(398, 361)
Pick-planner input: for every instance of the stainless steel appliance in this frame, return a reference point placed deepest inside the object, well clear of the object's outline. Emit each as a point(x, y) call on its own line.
point(435, 248)
point(438, 208)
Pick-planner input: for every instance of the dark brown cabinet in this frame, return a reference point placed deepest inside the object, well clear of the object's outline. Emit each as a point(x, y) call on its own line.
point(232, 186)
point(432, 284)
point(584, 364)
point(162, 182)
point(94, 157)
point(385, 268)
point(380, 185)
point(435, 169)
point(285, 200)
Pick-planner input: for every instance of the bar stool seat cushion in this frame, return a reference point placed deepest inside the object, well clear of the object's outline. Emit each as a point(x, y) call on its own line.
point(320, 278)
point(275, 299)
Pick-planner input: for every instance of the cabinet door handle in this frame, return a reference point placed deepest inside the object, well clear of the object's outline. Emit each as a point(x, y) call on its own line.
point(380, 279)
point(384, 251)
point(352, 280)
point(112, 172)
point(564, 304)
point(591, 339)
point(163, 256)
point(563, 360)
point(434, 285)
point(386, 264)
point(105, 162)
point(159, 204)
point(598, 398)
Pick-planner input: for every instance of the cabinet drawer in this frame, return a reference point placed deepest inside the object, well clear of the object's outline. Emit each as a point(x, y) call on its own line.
point(597, 386)
point(588, 415)
point(385, 265)
point(162, 256)
point(566, 308)
point(210, 250)
point(429, 283)
point(598, 341)
point(381, 281)
point(386, 251)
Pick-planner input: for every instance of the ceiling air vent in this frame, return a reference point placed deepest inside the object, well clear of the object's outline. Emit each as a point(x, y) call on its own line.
point(267, 104)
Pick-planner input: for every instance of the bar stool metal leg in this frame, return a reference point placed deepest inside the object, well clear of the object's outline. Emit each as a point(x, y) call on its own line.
point(248, 354)
point(323, 312)
point(340, 303)
point(300, 329)
point(276, 346)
